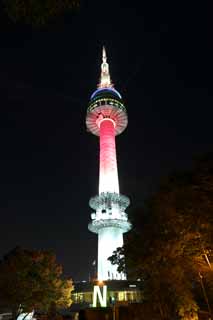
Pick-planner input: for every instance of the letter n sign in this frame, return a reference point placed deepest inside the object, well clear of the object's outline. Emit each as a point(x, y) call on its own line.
point(99, 297)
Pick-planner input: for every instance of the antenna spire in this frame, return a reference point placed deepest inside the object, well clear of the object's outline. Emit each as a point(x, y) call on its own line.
point(105, 81)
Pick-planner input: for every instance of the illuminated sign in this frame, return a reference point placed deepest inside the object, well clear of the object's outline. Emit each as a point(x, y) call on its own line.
point(98, 297)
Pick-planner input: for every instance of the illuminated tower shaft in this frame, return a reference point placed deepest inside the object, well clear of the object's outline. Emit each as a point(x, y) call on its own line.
point(107, 117)
point(108, 177)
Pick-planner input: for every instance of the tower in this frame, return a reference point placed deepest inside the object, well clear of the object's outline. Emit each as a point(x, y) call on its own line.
point(107, 117)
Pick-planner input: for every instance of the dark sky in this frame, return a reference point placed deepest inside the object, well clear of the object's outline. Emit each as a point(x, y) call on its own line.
point(160, 60)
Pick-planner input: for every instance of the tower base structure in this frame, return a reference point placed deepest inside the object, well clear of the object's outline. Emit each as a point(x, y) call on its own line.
point(109, 222)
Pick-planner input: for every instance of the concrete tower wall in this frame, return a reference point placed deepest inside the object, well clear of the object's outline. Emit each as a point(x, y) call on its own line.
point(109, 239)
point(108, 174)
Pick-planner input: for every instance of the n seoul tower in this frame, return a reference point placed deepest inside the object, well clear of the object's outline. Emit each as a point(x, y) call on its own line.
point(107, 117)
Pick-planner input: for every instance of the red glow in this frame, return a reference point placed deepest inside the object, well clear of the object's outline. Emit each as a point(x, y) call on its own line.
point(108, 178)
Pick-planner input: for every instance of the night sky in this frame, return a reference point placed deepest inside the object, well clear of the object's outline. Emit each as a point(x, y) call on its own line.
point(160, 61)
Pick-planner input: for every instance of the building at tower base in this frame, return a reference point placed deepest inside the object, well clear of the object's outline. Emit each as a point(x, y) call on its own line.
point(121, 292)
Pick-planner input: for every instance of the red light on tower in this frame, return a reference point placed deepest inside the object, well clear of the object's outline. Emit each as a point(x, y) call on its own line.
point(108, 174)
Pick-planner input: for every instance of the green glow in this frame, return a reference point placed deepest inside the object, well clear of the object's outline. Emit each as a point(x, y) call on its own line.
point(106, 101)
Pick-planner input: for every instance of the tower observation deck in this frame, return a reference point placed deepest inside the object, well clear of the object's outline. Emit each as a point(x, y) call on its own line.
point(107, 117)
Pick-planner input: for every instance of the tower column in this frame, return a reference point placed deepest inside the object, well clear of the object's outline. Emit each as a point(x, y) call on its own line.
point(108, 174)
point(108, 239)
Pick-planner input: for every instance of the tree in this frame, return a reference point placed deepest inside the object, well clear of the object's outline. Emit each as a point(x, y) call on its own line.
point(32, 280)
point(171, 244)
point(37, 12)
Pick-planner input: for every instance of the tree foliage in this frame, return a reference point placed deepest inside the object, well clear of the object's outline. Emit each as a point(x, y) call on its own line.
point(31, 280)
point(37, 12)
point(171, 245)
